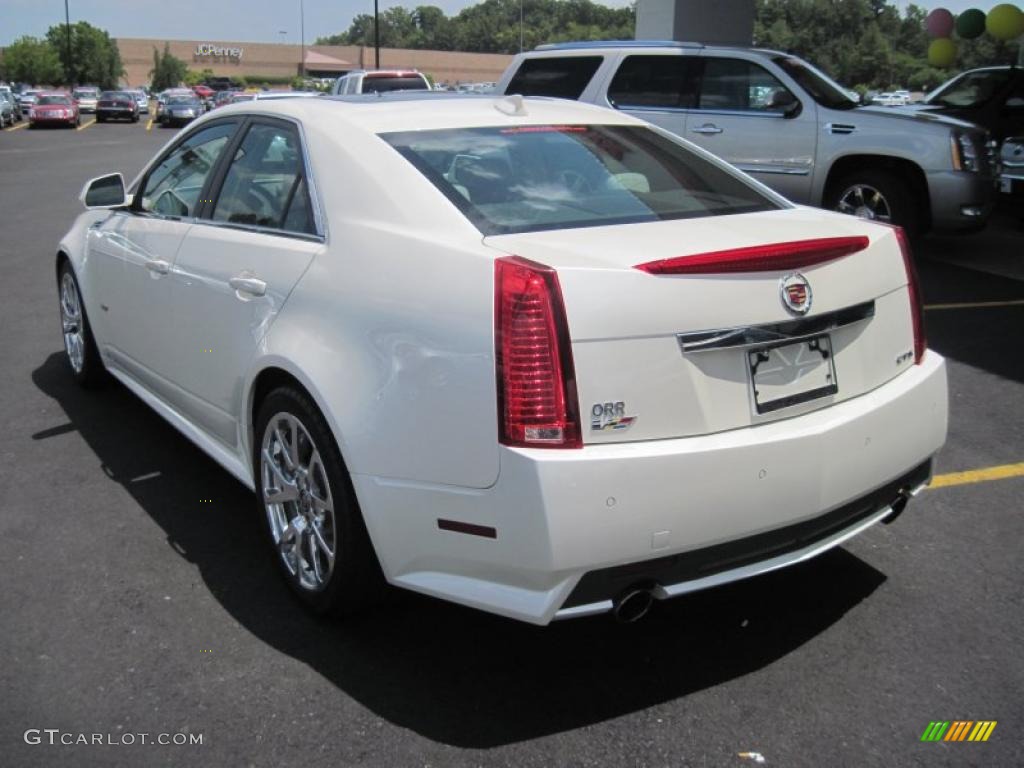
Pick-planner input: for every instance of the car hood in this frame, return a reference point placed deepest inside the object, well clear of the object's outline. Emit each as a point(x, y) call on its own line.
point(921, 113)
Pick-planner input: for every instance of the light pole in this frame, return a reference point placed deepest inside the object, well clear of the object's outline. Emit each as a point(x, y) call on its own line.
point(376, 35)
point(302, 36)
point(67, 27)
point(284, 35)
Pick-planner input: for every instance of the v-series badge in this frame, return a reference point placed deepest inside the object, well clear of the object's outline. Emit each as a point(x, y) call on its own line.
point(605, 416)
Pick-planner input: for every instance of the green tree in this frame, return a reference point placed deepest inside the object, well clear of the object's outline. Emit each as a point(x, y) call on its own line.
point(168, 70)
point(30, 60)
point(94, 58)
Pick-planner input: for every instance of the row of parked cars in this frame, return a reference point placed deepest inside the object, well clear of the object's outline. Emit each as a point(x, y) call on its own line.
point(61, 108)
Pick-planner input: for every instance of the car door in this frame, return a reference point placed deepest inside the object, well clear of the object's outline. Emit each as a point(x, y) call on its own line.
point(740, 118)
point(658, 88)
point(236, 267)
point(135, 250)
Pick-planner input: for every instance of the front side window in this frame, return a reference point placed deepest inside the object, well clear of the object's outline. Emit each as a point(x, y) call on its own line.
point(655, 81)
point(539, 177)
point(735, 84)
point(265, 183)
point(172, 188)
point(563, 77)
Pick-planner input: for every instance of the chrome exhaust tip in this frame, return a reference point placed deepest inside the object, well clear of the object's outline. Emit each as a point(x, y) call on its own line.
point(898, 505)
point(632, 605)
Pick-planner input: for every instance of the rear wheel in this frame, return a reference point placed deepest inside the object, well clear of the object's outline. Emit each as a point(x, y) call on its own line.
point(314, 524)
point(878, 195)
point(79, 345)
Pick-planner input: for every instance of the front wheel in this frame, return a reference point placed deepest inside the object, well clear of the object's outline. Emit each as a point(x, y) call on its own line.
point(877, 195)
point(305, 495)
point(79, 345)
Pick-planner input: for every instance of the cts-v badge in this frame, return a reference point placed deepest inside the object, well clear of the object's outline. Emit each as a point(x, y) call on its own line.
point(796, 293)
point(606, 416)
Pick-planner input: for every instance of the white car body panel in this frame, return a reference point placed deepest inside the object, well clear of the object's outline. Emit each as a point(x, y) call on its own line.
point(387, 320)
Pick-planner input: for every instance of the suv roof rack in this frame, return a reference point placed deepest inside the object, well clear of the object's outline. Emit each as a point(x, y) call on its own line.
point(617, 44)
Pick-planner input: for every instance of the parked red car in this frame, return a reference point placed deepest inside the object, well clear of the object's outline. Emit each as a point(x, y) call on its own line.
point(53, 109)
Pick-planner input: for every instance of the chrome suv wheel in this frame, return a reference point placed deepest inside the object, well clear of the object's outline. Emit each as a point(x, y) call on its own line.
point(880, 195)
point(865, 201)
point(305, 494)
point(298, 501)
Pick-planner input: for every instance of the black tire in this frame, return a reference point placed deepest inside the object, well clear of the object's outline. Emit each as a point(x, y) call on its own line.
point(355, 583)
point(135, 119)
point(896, 197)
point(91, 373)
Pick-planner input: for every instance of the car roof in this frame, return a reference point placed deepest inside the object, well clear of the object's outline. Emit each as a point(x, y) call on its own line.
point(632, 45)
point(432, 110)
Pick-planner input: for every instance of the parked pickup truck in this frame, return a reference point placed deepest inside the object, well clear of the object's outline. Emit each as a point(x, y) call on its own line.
point(784, 122)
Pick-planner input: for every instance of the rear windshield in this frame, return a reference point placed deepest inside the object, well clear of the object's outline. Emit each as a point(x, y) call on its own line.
point(382, 84)
point(563, 77)
point(54, 100)
point(108, 95)
point(540, 177)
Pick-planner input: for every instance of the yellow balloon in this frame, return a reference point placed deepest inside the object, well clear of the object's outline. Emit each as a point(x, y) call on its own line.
point(942, 52)
point(1005, 22)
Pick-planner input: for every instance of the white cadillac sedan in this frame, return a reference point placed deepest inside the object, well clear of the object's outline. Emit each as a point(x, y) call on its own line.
point(531, 356)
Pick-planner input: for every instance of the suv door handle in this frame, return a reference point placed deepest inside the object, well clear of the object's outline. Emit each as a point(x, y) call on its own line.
point(250, 285)
point(707, 128)
point(159, 266)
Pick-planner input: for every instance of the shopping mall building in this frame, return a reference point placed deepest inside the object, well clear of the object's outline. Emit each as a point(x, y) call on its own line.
point(278, 61)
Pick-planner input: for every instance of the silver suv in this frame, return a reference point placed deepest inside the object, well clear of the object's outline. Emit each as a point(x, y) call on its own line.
point(779, 119)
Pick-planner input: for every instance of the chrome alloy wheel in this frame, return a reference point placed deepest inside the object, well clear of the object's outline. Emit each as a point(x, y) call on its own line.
point(298, 501)
point(71, 321)
point(865, 201)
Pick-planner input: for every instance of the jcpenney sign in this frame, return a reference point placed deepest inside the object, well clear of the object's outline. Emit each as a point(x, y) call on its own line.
point(211, 51)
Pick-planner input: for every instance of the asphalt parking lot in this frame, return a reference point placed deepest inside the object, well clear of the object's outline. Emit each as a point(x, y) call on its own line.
point(138, 598)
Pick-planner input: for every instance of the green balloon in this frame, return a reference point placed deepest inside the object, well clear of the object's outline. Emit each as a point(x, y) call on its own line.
point(1005, 22)
point(970, 24)
point(942, 52)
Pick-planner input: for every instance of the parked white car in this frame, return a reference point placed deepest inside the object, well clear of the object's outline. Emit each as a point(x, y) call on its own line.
point(528, 355)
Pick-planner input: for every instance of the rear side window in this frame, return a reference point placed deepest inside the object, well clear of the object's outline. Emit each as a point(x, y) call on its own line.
point(563, 78)
point(656, 81)
point(738, 85)
point(265, 183)
point(538, 177)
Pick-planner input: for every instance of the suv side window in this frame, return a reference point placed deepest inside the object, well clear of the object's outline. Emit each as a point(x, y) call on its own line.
point(735, 84)
point(655, 81)
point(172, 188)
point(564, 77)
point(265, 183)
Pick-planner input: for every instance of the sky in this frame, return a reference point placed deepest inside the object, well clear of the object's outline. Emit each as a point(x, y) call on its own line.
point(218, 21)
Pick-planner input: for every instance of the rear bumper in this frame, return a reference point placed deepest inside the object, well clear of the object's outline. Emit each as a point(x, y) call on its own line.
point(555, 516)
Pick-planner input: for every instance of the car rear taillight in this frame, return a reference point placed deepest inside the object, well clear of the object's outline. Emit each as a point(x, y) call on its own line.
point(914, 289)
point(537, 405)
point(759, 258)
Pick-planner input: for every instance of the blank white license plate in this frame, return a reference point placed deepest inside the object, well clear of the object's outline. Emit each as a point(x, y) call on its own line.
point(790, 374)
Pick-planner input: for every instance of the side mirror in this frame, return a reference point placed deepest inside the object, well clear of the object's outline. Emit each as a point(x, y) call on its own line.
point(785, 102)
point(104, 192)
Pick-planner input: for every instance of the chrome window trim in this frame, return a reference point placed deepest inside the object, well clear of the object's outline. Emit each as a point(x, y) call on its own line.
point(787, 331)
point(257, 229)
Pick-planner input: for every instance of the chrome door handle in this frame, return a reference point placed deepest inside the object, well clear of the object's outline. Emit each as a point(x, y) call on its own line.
point(707, 128)
point(250, 285)
point(159, 266)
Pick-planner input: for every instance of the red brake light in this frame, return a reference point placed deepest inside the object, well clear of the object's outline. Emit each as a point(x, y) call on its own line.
point(759, 258)
point(914, 289)
point(537, 405)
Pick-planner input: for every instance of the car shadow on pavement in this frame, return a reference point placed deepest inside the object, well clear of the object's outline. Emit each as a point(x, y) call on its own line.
point(454, 675)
